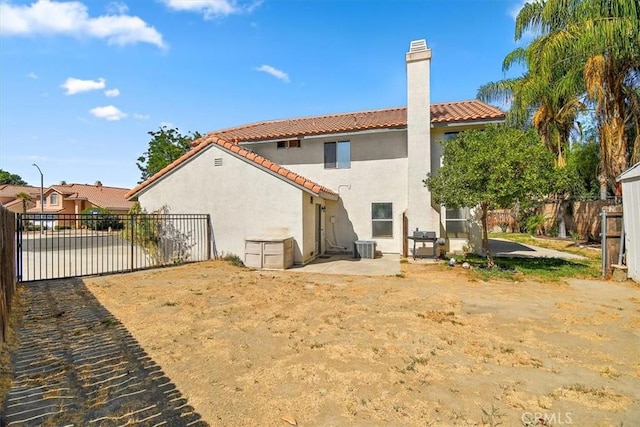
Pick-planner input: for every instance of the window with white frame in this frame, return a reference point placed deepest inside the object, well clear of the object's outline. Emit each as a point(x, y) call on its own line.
point(457, 223)
point(337, 155)
point(53, 198)
point(382, 219)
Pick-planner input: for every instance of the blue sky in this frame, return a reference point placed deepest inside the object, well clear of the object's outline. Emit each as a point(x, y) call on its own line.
point(82, 82)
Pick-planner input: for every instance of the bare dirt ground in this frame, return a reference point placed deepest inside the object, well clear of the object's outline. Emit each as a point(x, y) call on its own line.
point(432, 346)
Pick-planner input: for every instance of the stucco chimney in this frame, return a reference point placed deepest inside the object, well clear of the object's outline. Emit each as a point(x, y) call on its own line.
point(420, 213)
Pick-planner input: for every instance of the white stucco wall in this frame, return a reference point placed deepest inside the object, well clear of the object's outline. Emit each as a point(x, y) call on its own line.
point(244, 202)
point(378, 173)
point(631, 211)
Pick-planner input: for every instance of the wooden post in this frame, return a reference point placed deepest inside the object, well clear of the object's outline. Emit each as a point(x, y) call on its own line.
point(611, 237)
point(405, 235)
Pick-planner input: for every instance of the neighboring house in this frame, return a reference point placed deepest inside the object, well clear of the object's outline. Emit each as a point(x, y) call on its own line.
point(74, 198)
point(9, 197)
point(326, 181)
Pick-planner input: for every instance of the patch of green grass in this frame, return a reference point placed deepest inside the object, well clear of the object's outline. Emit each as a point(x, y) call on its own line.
point(542, 269)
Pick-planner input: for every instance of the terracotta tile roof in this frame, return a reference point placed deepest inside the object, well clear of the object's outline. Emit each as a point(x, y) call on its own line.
point(240, 151)
point(306, 126)
point(8, 190)
point(448, 112)
point(464, 111)
point(112, 198)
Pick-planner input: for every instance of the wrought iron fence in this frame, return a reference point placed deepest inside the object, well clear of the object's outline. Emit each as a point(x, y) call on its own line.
point(52, 246)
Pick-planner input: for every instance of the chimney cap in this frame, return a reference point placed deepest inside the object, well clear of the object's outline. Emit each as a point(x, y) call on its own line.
point(418, 46)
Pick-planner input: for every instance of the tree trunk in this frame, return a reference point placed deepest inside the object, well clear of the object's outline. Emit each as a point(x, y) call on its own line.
point(562, 226)
point(603, 186)
point(485, 235)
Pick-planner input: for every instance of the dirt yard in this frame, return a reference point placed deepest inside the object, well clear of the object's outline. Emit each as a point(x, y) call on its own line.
point(431, 346)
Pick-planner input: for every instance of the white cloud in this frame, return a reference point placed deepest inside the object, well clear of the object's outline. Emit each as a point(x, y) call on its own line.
point(32, 75)
point(72, 18)
point(211, 8)
point(167, 125)
point(140, 116)
point(108, 112)
point(74, 86)
point(117, 8)
point(278, 74)
point(112, 93)
point(516, 8)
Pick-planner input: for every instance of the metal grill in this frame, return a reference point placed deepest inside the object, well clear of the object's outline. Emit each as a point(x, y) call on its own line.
point(53, 246)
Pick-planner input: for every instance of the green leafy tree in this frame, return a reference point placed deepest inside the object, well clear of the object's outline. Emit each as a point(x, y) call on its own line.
point(10, 178)
point(100, 219)
point(166, 145)
point(491, 169)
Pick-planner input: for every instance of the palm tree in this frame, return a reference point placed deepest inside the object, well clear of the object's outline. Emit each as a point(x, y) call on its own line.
point(598, 43)
point(25, 197)
point(538, 99)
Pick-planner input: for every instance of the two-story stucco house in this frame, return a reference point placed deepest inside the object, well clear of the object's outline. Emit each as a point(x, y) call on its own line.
point(74, 198)
point(326, 181)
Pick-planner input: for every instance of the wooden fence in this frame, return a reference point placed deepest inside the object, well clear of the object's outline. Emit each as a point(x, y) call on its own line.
point(7, 268)
point(581, 217)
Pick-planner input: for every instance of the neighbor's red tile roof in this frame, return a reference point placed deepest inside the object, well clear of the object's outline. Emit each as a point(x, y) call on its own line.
point(112, 198)
point(9, 190)
point(449, 112)
point(254, 158)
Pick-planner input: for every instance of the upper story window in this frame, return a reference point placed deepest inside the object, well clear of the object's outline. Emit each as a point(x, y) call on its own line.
point(293, 143)
point(337, 155)
point(450, 135)
point(53, 199)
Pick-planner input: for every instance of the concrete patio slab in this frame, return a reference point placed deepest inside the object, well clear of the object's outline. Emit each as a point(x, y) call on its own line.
point(387, 265)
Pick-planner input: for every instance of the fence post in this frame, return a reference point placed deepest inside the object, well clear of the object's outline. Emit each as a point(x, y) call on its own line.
point(603, 241)
point(19, 226)
point(132, 242)
point(208, 236)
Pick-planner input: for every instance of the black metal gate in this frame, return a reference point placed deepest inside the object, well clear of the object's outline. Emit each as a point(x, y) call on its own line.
point(53, 246)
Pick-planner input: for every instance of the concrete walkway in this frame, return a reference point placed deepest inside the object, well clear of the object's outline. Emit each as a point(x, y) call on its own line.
point(508, 249)
point(389, 264)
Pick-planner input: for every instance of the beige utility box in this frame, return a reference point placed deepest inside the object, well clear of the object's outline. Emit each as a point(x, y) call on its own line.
point(269, 253)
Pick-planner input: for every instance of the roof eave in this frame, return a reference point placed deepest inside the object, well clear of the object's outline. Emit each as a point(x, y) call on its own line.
point(467, 122)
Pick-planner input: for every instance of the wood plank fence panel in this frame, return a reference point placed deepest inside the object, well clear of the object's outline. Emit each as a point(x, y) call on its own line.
point(7, 268)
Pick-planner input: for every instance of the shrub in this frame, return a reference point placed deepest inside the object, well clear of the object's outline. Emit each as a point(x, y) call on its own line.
point(535, 224)
point(233, 259)
point(100, 219)
point(62, 227)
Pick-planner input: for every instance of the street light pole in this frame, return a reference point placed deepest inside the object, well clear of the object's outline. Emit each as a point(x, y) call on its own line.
point(41, 197)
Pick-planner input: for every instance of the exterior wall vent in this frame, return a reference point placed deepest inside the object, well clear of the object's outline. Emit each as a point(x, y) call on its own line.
point(418, 46)
point(217, 162)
